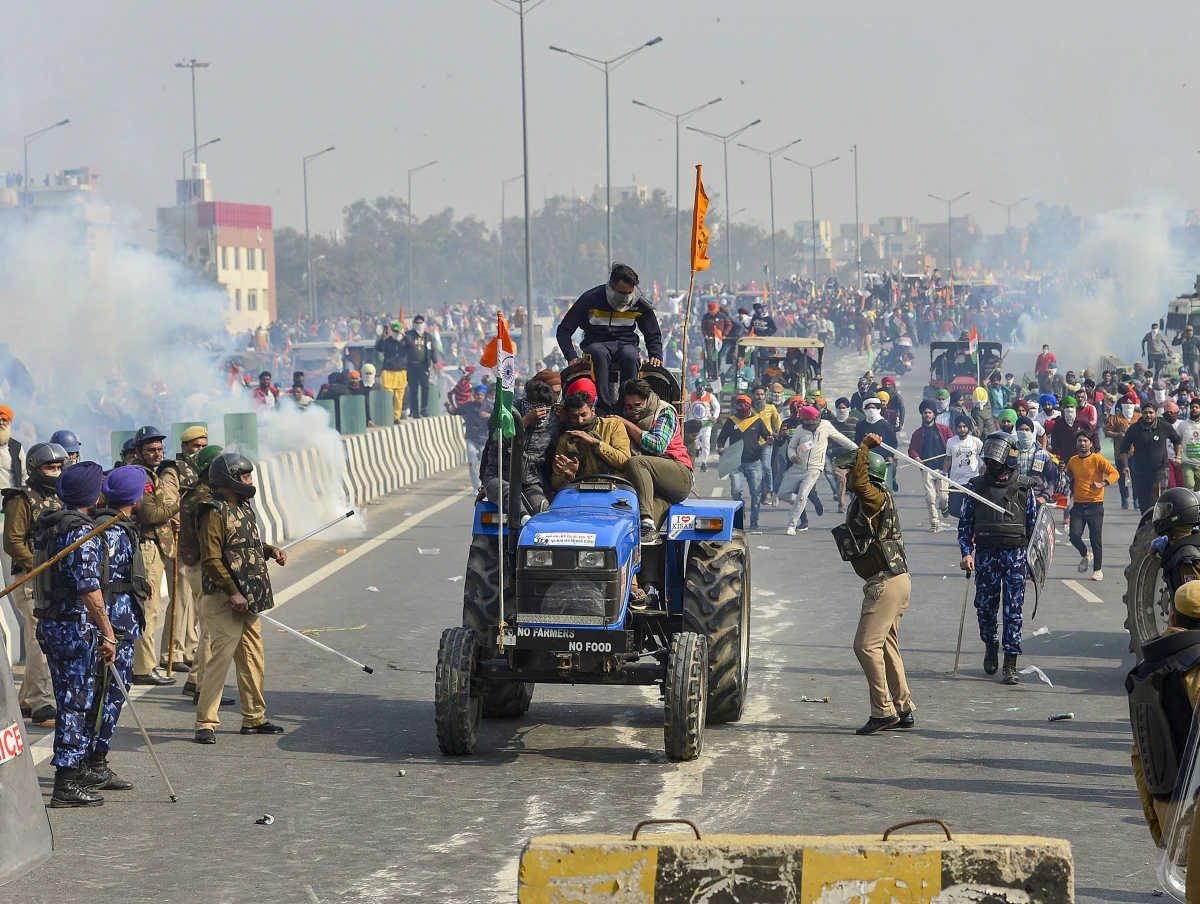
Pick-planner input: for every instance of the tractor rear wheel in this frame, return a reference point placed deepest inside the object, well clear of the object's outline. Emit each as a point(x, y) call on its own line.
point(686, 688)
point(457, 711)
point(716, 604)
point(481, 611)
point(1147, 603)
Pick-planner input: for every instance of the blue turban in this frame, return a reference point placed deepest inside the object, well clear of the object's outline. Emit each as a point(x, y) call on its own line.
point(1047, 398)
point(79, 486)
point(125, 485)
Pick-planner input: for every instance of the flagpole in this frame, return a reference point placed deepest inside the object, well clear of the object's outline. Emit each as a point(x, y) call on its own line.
point(500, 545)
point(687, 315)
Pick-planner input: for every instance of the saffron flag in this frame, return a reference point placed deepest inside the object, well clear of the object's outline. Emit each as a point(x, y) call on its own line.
point(500, 356)
point(700, 259)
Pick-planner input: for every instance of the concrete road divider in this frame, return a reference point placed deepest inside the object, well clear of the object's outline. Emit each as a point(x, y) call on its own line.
point(797, 869)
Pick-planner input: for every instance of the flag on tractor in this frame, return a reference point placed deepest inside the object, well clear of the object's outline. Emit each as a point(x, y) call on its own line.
point(500, 356)
point(700, 259)
point(973, 341)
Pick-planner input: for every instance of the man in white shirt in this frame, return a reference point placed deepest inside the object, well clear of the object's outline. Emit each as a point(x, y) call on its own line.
point(962, 460)
point(1189, 440)
point(704, 408)
point(806, 452)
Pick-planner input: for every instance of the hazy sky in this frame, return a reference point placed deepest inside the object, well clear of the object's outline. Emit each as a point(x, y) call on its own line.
point(1088, 104)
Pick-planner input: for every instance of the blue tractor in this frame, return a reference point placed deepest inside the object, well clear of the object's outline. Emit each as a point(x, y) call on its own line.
point(567, 616)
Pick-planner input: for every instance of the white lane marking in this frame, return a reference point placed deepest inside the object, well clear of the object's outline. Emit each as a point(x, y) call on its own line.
point(718, 491)
point(43, 749)
point(1088, 596)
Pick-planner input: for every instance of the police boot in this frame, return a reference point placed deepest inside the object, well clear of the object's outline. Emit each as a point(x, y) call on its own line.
point(1010, 669)
point(96, 775)
point(68, 792)
point(991, 658)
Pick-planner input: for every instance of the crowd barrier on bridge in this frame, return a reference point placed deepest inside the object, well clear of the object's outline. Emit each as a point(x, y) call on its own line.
point(917, 869)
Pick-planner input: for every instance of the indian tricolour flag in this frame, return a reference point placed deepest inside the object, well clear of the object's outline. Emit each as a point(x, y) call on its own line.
point(500, 356)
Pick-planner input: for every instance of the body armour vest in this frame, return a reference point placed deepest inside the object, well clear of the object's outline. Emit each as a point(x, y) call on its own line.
point(242, 553)
point(885, 549)
point(1178, 555)
point(996, 531)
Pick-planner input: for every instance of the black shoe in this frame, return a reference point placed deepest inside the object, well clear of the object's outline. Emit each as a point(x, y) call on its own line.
point(873, 725)
point(44, 715)
point(906, 720)
point(182, 666)
point(1010, 670)
point(205, 736)
point(155, 677)
point(96, 775)
point(991, 659)
point(68, 792)
point(265, 728)
point(189, 688)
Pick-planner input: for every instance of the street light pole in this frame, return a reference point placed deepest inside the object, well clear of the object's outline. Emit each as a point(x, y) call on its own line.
point(607, 66)
point(677, 118)
point(504, 183)
point(26, 197)
point(312, 296)
point(812, 206)
point(1008, 208)
point(411, 231)
point(193, 64)
point(725, 139)
point(949, 202)
point(857, 227)
point(771, 155)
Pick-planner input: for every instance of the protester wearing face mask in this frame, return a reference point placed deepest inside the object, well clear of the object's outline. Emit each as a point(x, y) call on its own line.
point(771, 417)
point(1033, 461)
point(368, 375)
point(894, 409)
point(1156, 348)
point(1090, 473)
point(845, 421)
point(747, 427)
point(422, 358)
point(874, 422)
point(610, 316)
point(866, 389)
point(942, 413)
point(928, 445)
point(1118, 423)
point(806, 453)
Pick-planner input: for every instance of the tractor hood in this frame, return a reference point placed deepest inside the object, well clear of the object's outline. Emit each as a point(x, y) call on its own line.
point(584, 527)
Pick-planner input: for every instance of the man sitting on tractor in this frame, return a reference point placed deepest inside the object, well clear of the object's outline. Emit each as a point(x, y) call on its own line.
point(610, 315)
point(659, 468)
point(589, 444)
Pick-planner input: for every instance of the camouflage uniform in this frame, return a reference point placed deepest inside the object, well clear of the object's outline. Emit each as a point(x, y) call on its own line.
point(234, 560)
point(188, 556)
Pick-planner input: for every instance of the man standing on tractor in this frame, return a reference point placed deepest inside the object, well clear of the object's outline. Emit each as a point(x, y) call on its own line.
point(610, 315)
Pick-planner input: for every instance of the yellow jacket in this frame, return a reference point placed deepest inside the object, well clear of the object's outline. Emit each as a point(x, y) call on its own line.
point(607, 458)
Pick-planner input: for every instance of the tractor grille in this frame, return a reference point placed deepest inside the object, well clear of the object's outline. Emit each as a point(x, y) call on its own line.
point(568, 595)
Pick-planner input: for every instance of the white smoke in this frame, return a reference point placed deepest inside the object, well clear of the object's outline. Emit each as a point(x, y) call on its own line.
point(98, 341)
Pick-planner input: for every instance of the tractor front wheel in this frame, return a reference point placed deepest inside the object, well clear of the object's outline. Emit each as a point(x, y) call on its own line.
point(457, 710)
point(686, 688)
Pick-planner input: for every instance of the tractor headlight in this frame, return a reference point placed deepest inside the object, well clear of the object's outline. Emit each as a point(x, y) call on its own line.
point(591, 558)
point(539, 558)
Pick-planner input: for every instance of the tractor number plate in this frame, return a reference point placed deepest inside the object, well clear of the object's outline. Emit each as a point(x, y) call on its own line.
point(565, 640)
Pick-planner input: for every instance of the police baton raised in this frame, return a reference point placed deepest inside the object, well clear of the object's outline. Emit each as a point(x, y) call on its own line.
point(34, 572)
point(316, 530)
point(940, 476)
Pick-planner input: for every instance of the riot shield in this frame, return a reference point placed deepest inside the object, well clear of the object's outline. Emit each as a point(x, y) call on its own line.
point(1177, 840)
point(25, 839)
point(1040, 553)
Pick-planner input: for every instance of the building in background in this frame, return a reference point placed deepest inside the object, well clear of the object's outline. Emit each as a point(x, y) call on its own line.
point(232, 244)
point(74, 195)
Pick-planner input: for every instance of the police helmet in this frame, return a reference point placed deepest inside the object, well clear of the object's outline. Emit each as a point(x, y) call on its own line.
point(1176, 507)
point(41, 454)
point(67, 439)
point(1000, 448)
point(877, 467)
point(226, 473)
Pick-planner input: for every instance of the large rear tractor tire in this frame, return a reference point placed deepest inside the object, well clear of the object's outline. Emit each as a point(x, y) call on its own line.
point(716, 604)
point(687, 696)
point(457, 711)
point(1147, 603)
point(481, 611)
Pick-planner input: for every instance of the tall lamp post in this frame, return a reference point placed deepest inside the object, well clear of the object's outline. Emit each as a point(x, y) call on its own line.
point(504, 183)
point(193, 64)
point(771, 155)
point(26, 197)
point(949, 202)
point(607, 66)
point(725, 139)
point(677, 118)
point(812, 206)
point(187, 201)
point(412, 231)
point(1008, 208)
point(312, 295)
point(857, 227)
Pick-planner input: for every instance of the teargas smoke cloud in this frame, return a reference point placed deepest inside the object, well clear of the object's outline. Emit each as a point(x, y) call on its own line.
point(102, 335)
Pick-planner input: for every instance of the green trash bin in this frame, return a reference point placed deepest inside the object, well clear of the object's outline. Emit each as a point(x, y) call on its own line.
point(330, 406)
point(381, 407)
point(241, 433)
point(352, 414)
point(175, 438)
point(116, 440)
